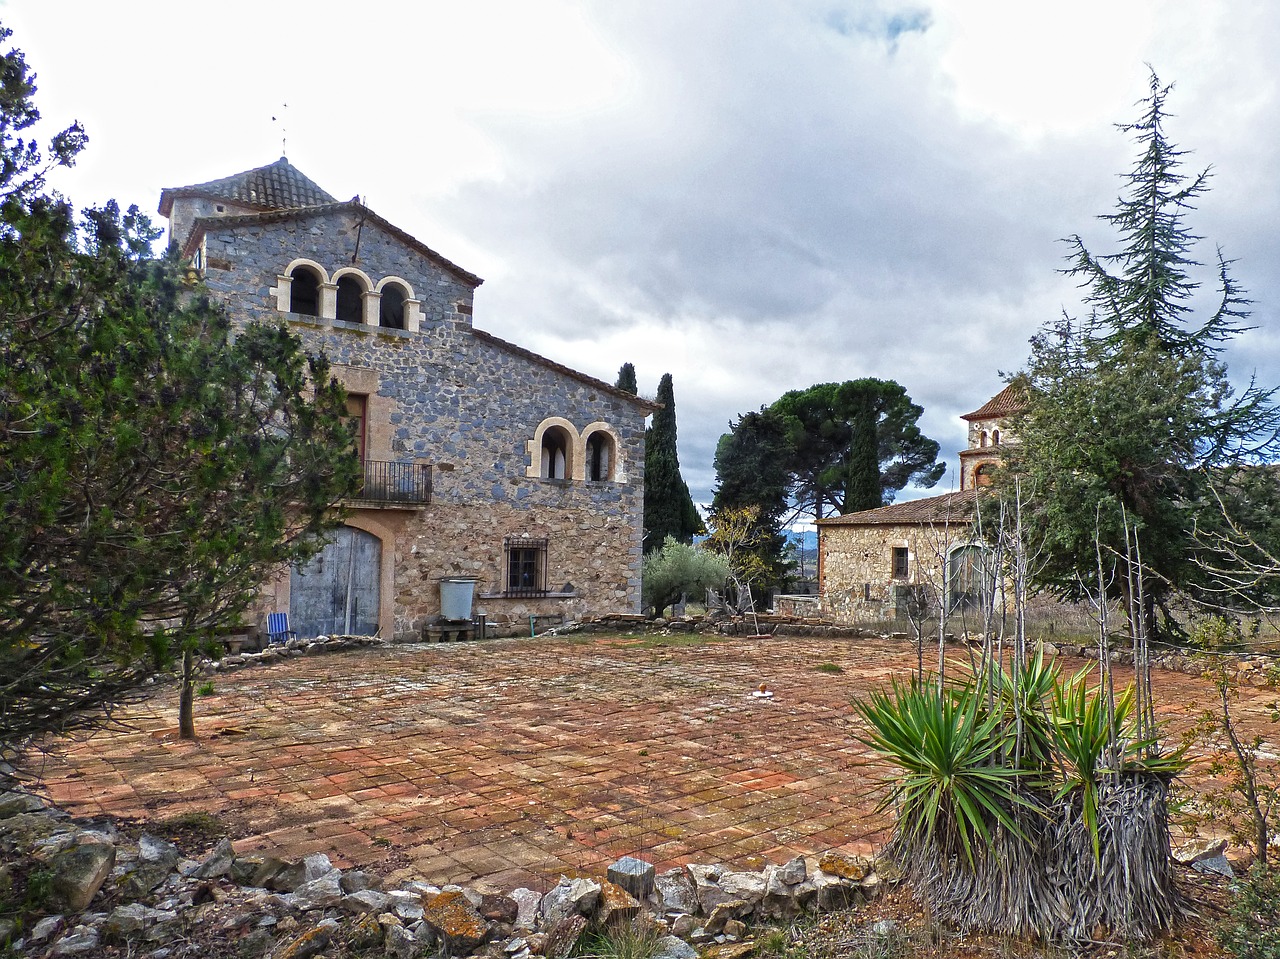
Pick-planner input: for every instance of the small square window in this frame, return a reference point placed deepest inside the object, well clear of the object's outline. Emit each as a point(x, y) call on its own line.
point(526, 566)
point(901, 568)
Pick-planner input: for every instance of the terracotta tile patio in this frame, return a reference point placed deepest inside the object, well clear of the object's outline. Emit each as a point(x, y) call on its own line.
point(517, 760)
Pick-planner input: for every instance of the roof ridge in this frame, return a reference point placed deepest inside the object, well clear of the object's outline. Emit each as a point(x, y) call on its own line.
point(926, 509)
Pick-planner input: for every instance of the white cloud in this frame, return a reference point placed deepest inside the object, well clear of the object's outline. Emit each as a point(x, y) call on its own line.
point(754, 196)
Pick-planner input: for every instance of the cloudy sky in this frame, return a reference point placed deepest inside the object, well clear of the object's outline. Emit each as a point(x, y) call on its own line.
point(753, 195)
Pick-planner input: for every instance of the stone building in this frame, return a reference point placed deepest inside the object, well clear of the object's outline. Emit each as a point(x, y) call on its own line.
point(989, 432)
point(870, 561)
point(482, 460)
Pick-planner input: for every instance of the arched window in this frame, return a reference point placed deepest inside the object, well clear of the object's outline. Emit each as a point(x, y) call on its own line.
point(391, 307)
point(995, 437)
point(350, 300)
point(984, 474)
point(600, 456)
point(304, 291)
point(983, 442)
point(555, 454)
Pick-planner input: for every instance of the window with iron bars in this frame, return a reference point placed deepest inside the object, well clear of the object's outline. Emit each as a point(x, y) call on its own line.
point(526, 566)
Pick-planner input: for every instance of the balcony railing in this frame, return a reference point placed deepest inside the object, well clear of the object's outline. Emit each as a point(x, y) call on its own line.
point(395, 483)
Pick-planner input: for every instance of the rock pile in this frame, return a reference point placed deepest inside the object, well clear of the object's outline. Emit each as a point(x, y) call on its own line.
point(294, 647)
point(102, 889)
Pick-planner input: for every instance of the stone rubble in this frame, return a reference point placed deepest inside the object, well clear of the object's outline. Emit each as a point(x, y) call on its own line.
point(110, 891)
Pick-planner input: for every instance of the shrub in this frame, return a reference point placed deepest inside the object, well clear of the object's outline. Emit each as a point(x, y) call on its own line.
point(678, 569)
point(1252, 929)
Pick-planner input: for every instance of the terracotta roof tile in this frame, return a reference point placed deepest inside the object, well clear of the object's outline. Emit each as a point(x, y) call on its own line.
point(1012, 399)
point(955, 507)
point(276, 186)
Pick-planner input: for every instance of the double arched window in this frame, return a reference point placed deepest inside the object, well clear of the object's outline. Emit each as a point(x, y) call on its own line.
point(558, 451)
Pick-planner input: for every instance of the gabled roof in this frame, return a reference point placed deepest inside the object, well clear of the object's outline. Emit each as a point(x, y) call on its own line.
point(355, 206)
point(276, 186)
point(1010, 400)
point(949, 507)
point(647, 405)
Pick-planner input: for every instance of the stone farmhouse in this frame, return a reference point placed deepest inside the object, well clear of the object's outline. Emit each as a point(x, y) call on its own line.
point(482, 460)
point(868, 561)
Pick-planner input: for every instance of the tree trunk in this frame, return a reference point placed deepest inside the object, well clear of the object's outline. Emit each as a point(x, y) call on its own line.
point(186, 717)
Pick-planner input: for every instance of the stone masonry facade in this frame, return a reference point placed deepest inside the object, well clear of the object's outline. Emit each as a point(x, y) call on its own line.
point(442, 394)
point(858, 579)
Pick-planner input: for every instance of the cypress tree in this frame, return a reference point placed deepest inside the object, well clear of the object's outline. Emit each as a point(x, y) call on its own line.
point(669, 510)
point(627, 379)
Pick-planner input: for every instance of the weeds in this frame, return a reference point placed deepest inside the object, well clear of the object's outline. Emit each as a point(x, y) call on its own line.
point(205, 689)
point(635, 939)
point(829, 668)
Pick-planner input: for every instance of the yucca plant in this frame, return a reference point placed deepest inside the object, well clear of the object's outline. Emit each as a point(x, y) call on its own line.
point(953, 787)
point(1025, 696)
point(1084, 732)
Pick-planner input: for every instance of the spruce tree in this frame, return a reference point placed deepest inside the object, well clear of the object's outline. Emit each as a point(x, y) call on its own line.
point(669, 510)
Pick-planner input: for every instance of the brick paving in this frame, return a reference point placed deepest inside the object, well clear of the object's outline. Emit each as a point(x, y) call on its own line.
point(519, 760)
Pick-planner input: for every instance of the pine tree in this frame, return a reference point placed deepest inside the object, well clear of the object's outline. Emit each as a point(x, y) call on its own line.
point(669, 510)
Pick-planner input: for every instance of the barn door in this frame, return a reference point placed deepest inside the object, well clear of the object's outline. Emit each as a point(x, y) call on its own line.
point(337, 593)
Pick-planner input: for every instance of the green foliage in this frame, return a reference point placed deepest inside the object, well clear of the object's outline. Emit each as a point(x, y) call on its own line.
point(967, 767)
point(853, 445)
point(669, 510)
point(23, 166)
point(1130, 409)
point(752, 474)
point(950, 789)
point(832, 668)
point(1023, 695)
point(1084, 726)
point(632, 939)
point(206, 688)
point(679, 569)
point(627, 379)
point(1252, 929)
point(829, 449)
point(153, 469)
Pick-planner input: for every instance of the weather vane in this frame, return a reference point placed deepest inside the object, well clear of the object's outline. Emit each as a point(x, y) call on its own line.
point(284, 130)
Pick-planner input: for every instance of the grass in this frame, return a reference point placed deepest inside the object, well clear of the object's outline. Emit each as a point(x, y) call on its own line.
point(637, 939)
point(205, 689)
point(195, 828)
point(829, 668)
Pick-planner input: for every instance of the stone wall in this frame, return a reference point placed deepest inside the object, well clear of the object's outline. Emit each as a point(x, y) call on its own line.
point(464, 402)
point(856, 582)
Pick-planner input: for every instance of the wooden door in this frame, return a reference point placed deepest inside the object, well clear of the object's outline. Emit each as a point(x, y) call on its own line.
point(337, 593)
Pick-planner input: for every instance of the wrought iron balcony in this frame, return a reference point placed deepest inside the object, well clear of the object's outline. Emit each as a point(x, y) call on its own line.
point(395, 483)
